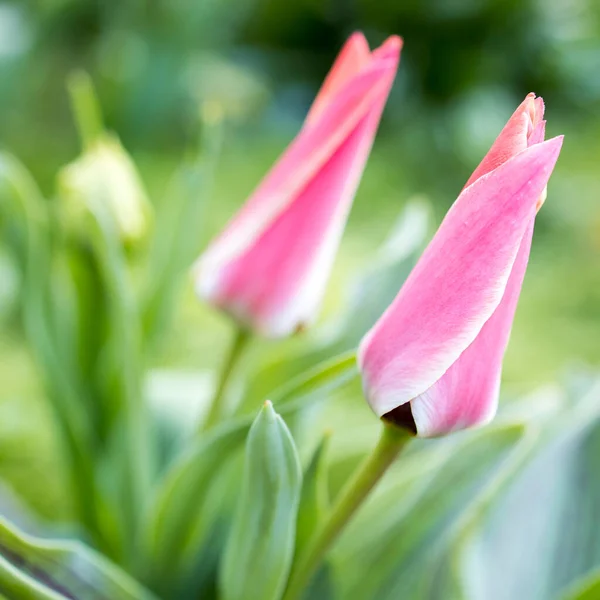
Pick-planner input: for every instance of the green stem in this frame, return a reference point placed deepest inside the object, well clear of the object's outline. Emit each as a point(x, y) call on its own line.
point(240, 341)
point(85, 107)
point(391, 442)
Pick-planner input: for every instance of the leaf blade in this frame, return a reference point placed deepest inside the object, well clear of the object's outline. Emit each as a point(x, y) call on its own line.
point(259, 551)
point(52, 570)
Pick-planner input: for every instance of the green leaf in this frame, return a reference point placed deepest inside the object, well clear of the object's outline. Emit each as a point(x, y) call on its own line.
point(318, 380)
point(178, 507)
point(314, 501)
point(176, 525)
point(541, 535)
point(32, 569)
point(22, 205)
point(260, 548)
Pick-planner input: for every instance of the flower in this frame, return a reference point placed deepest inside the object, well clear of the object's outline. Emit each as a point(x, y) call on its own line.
point(269, 268)
point(433, 360)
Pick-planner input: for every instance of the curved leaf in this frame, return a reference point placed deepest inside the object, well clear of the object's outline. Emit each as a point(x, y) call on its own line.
point(54, 570)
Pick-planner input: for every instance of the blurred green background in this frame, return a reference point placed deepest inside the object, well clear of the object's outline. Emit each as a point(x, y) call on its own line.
point(465, 66)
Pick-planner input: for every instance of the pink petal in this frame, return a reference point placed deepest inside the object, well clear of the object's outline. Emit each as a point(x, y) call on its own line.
point(389, 50)
point(458, 283)
point(538, 133)
point(278, 283)
point(538, 109)
point(467, 394)
point(303, 159)
point(353, 57)
point(513, 138)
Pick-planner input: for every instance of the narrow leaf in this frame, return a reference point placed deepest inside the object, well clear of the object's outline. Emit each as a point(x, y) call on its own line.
point(323, 378)
point(260, 547)
point(177, 509)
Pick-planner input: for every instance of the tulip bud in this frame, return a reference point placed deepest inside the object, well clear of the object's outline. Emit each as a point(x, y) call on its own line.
point(270, 266)
point(105, 175)
point(433, 361)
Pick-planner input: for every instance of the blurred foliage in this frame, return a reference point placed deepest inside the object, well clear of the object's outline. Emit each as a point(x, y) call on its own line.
point(165, 71)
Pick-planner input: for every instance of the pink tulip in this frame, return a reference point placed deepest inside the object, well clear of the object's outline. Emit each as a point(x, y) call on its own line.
point(433, 360)
point(270, 266)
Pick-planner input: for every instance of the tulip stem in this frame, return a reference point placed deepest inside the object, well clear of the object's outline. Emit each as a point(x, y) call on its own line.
point(85, 107)
point(392, 441)
point(236, 349)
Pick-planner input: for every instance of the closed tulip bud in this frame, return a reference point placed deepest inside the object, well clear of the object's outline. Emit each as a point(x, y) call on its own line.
point(270, 266)
point(106, 176)
point(433, 360)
